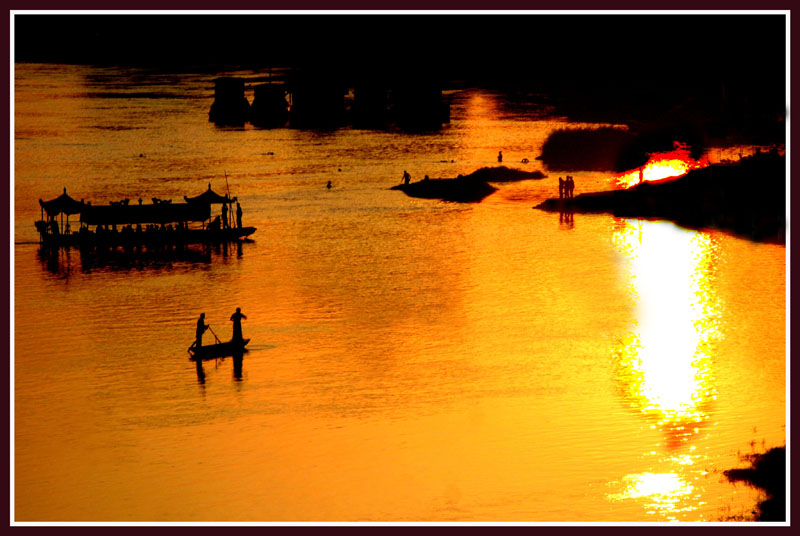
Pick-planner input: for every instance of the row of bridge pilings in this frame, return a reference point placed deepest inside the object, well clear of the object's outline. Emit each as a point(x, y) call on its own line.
point(315, 103)
point(231, 107)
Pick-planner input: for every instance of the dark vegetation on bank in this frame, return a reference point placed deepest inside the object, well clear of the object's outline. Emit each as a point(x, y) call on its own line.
point(719, 114)
point(586, 149)
point(768, 472)
point(747, 199)
point(617, 149)
point(466, 188)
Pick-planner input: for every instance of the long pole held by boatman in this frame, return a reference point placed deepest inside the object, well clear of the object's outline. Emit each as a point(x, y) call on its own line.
point(214, 334)
point(227, 223)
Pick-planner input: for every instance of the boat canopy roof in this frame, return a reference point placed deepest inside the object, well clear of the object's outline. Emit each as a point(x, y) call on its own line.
point(157, 213)
point(62, 204)
point(210, 197)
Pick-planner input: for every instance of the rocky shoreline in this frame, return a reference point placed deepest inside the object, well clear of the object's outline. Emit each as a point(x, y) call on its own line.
point(747, 199)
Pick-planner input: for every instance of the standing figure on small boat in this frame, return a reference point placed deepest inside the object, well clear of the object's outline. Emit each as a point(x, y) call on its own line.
point(238, 215)
point(236, 318)
point(201, 328)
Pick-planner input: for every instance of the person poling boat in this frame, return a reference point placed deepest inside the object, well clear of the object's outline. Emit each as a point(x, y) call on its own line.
point(198, 333)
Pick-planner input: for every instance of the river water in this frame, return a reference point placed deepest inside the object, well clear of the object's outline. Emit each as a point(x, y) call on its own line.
point(410, 360)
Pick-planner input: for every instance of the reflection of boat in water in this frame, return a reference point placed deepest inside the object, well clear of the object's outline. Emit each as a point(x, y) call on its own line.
point(221, 349)
point(62, 261)
point(140, 257)
point(156, 224)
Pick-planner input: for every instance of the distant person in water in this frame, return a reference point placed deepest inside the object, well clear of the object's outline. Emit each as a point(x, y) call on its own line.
point(570, 186)
point(201, 328)
point(406, 177)
point(236, 318)
point(500, 156)
point(329, 185)
point(238, 215)
point(560, 188)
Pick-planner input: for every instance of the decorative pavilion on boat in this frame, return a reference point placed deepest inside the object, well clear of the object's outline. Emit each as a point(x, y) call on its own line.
point(125, 224)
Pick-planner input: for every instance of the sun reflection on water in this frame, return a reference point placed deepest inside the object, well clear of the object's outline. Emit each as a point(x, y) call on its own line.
point(663, 493)
point(664, 364)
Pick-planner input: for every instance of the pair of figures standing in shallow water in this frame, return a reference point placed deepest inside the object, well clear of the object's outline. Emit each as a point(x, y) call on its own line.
point(566, 187)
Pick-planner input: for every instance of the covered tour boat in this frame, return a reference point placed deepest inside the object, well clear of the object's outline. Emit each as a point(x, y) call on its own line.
point(158, 223)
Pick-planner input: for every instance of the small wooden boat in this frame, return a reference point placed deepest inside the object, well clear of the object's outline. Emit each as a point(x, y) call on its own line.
point(222, 349)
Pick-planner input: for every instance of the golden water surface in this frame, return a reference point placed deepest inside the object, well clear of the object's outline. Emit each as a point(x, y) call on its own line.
point(410, 360)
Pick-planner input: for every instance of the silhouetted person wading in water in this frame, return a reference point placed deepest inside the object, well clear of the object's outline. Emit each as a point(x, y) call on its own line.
point(236, 318)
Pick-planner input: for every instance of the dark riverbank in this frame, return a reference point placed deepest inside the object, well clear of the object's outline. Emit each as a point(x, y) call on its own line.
point(615, 149)
point(768, 472)
point(468, 188)
point(747, 199)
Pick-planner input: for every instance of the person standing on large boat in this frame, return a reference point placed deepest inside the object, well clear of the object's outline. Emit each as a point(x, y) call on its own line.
point(201, 328)
point(238, 215)
point(236, 318)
